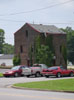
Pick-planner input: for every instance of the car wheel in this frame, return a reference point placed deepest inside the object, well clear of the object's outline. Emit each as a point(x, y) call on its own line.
point(37, 74)
point(16, 75)
point(58, 75)
point(71, 74)
point(47, 76)
point(28, 76)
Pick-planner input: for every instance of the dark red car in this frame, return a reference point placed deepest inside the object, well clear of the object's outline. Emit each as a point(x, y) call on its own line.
point(15, 71)
point(57, 71)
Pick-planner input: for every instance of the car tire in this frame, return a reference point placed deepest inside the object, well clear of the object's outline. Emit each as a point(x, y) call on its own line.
point(47, 76)
point(37, 74)
point(16, 75)
point(28, 76)
point(58, 75)
point(71, 74)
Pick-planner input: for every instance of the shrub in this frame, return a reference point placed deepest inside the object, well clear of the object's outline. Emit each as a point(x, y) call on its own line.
point(16, 60)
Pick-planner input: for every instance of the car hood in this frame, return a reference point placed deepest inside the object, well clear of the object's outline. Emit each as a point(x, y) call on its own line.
point(10, 71)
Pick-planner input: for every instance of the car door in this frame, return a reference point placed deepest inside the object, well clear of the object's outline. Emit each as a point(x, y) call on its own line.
point(26, 71)
point(64, 71)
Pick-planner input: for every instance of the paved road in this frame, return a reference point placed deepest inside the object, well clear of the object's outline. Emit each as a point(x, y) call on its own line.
point(7, 93)
point(16, 94)
point(3, 70)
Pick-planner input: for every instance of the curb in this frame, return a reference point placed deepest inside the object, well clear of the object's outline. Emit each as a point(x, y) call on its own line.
point(35, 89)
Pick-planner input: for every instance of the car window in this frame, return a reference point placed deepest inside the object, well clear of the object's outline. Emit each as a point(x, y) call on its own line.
point(22, 67)
point(53, 68)
point(44, 66)
point(62, 68)
point(15, 68)
point(36, 66)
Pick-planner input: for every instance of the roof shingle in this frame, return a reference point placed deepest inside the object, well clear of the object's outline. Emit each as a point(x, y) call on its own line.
point(47, 29)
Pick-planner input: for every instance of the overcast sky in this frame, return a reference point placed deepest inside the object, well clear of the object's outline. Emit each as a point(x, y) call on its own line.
point(15, 13)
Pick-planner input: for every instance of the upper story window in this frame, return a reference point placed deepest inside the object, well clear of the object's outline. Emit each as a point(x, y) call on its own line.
point(27, 33)
point(21, 49)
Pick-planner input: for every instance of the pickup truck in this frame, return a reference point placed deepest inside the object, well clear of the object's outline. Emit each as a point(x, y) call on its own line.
point(36, 70)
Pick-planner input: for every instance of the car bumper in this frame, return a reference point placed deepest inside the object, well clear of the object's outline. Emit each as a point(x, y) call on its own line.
point(8, 74)
point(48, 73)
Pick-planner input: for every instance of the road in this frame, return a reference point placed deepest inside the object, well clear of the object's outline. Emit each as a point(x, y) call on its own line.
point(8, 93)
point(16, 94)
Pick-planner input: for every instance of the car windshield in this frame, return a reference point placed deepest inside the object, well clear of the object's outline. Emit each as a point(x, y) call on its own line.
point(53, 68)
point(15, 68)
point(36, 66)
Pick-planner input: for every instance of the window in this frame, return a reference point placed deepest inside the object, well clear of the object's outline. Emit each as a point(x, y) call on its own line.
point(53, 68)
point(27, 33)
point(21, 49)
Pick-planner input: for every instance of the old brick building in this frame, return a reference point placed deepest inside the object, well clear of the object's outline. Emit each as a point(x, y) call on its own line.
point(25, 37)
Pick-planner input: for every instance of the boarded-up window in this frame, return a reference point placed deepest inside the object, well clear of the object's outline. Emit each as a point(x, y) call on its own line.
point(27, 33)
point(21, 49)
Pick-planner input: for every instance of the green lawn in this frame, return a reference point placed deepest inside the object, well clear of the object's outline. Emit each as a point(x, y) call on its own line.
point(1, 74)
point(62, 85)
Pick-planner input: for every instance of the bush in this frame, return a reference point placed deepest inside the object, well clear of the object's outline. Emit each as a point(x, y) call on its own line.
point(16, 60)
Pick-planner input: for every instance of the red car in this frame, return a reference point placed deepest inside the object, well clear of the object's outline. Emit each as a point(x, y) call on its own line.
point(15, 71)
point(57, 71)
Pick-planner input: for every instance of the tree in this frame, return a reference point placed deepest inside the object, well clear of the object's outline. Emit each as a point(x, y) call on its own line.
point(1, 40)
point(8, 48)
point(44, 55)
point(42, 51)
point(70, 43)
point(71, 49)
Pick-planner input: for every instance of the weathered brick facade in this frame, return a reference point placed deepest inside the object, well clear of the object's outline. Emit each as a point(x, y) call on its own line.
point(25, 37)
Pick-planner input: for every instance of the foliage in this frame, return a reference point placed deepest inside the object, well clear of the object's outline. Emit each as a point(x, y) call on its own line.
point(31, 55)
point(71, 49)
point(44, 55)
point(8, 48)
point(64, 53)
point(1, 40)
point(49, 42)
point(70, 43)
point(42, 51)
point(1, 75)
point(16, 60)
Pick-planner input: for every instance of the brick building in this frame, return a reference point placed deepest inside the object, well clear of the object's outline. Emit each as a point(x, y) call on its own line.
point(25, 37)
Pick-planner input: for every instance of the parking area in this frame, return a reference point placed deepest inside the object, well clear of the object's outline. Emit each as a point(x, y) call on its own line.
point(5, 82)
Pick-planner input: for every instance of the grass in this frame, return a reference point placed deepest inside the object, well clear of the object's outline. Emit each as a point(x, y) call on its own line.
point(57, 85)
point(1, 75)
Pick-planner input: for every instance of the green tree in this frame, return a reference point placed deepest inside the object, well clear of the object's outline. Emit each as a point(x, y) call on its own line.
point(8, 48)
point(1, 40)
point(44, 55)
point(71, 49)
point(70, 43)
point(42, 51)
point(16, 60)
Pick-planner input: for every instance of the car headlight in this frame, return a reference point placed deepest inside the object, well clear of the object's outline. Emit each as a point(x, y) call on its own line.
point(10, 72)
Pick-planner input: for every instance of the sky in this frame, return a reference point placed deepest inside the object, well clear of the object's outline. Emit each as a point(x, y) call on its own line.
point(15, 13)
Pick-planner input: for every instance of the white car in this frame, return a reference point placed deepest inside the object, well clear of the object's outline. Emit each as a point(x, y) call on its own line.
point(36, 70)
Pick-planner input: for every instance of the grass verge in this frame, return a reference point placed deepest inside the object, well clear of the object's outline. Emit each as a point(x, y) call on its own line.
point(1, 75)
point(57, 85)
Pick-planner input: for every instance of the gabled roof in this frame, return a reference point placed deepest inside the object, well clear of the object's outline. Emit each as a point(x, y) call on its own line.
point(46, 28)
point(6, 56)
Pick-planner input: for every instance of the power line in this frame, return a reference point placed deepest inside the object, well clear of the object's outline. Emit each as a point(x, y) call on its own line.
point(11, 20)
point(39, 9)
point(72, 22)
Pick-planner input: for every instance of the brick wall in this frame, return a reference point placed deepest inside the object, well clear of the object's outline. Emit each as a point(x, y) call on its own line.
point(24, 40)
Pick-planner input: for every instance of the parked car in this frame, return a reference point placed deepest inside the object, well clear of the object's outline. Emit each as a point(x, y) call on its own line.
point(36, 70)
point(57, 71)
point(15, 71)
